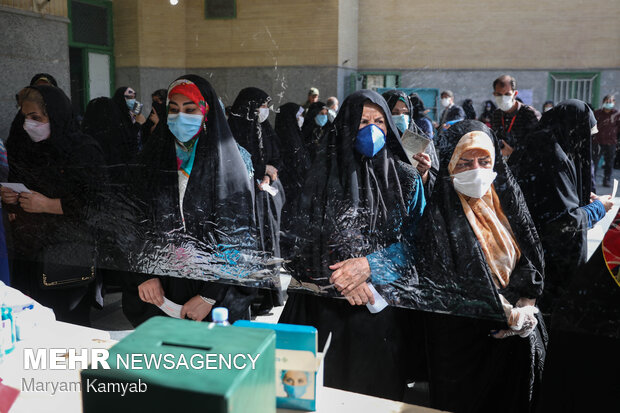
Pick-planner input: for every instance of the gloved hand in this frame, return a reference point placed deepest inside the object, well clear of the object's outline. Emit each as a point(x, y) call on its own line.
point(521, 321)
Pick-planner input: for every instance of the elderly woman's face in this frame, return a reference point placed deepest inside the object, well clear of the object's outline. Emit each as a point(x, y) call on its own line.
point(373, 115)
point(473, 159)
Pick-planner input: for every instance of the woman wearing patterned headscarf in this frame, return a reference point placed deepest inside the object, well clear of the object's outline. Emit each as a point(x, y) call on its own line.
point(479, 259)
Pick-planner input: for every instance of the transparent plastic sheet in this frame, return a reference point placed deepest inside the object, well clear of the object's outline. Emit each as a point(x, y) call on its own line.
point(115, 223)
point(118, 221)
point(343, 214)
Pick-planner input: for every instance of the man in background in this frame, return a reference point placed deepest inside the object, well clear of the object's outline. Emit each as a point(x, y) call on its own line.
point(313, 96)
point(512, 120)
point(451, 112)
point(332, 108)
point(605, 141)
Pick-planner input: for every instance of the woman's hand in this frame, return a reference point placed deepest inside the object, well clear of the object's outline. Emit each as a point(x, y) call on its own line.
point(140, 119)
point(37, 203)
point(606, 200)
point(152, 292)
point(196, 309)
point(265, 181)
point(522, 320)
point(272, 172)
point(349, 274)
point(153, 117)
point(9, 196)
point(424, 164)
point(360, 295)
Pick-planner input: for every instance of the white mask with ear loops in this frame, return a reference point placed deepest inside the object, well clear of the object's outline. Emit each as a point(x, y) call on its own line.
point(37, 131)
point(475, 182)
point(263, 114)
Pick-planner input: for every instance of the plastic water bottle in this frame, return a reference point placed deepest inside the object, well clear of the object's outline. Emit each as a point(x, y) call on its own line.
point(220, 316)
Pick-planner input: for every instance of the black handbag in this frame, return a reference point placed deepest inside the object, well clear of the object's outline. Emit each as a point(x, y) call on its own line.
point(67, 264)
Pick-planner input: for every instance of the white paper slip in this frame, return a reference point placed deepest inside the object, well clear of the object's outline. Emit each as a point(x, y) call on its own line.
point(19, 188)
point(613, 193)
point(414, 143)
point(171, 308)
point(269, 189)
point(379, 304)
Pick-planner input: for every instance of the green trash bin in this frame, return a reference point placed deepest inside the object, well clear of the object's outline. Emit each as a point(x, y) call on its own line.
point(174, 365)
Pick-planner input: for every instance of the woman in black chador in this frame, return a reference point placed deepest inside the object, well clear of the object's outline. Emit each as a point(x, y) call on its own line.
point(314, 129)
point(479, 261)
point(125, 98)
point(295, 163)
point(252, 130)
point(552, 167)
point(293, 154)
point(53, 240)
point(196, 185)
point(403, 116)
point(355, 200)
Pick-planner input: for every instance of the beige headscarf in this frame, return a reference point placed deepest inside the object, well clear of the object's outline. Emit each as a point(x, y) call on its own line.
point(486, 217)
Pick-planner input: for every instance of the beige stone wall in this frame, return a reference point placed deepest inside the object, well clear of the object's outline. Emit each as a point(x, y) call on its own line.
point(264, 33)
point(368, 34)
point(465, 34)
point(53, 7)
point(162, 34)
point(127, 22)
point(347, 33)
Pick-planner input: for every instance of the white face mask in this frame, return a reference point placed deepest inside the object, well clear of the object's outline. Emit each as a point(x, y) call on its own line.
point(331, 115)
point(475, 182)
point(263, 114)
point(445, 102)
point(36, 130)
point(505, 103)
point(300, 121)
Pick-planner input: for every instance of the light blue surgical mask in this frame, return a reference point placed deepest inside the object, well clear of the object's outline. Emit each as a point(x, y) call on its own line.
point(609, 105)
point(370, 140)
point(401, 122)
point(184, 126)
point(295, 391)
point(320, 120)
point(130, 103)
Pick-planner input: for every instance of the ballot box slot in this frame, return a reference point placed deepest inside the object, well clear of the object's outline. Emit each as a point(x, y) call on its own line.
point(166, 343)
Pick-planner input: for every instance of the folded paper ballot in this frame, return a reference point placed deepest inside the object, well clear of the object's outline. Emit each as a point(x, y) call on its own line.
point(269, 189)
point(414, 143)
point(380, 302)
point(171, 308)
point(19, 188)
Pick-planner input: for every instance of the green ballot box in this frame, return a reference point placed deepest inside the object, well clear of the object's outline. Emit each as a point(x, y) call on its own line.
point(175, 365)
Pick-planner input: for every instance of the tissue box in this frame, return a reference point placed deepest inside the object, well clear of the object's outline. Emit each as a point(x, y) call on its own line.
point(298, 364)
point(183, 365)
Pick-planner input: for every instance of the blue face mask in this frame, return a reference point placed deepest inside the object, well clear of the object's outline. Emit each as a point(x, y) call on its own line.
point(184, 126)
point(320, 120)
point(130, 103)
point(370, 140)
point(401, 122)
point(295, 391)
point(609, 105)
